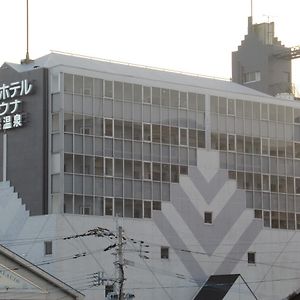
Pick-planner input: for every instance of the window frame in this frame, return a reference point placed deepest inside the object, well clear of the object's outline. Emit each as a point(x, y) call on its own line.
point(251, 258)
point(165, 252)
point(208, 217)
point(48, 248)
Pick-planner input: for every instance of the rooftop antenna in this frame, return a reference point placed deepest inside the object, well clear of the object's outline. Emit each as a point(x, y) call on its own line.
point(27, 60)
point(250, 19)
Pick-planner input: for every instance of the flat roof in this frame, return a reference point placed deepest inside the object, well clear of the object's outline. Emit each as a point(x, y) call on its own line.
point(55, 59)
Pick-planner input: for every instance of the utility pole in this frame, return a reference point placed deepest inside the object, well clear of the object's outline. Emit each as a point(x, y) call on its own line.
point(98, 277)
point(120, 262)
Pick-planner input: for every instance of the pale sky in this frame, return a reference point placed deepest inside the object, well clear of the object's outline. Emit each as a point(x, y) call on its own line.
point(194, 36)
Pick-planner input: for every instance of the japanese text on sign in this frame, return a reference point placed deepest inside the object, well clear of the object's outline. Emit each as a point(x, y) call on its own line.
point(10, 117)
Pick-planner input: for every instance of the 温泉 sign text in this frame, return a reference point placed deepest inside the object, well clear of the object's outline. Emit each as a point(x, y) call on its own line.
point(10, 114)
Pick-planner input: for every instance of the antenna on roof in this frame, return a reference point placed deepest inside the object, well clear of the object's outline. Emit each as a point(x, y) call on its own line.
point(250, 19)
point(27, 60)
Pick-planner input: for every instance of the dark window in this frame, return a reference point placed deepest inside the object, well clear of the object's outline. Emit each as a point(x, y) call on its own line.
point(108, 289)
point(48, 247)
point(251, 258)
point(208, 217)
point(258, 214)
point(164, 252)
point(156, 205)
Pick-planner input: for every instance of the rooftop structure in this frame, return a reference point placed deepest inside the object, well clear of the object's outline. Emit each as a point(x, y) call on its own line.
point(262, 62)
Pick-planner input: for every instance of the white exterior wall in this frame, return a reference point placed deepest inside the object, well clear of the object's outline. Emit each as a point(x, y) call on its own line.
point(274, 248)
point(274, 276)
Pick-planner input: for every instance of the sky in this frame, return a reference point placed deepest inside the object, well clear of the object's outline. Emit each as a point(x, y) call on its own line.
point(193, 36)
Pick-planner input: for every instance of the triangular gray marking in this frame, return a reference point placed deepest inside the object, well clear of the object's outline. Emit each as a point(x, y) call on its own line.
point(221, 225)
point(176, 242)
point(208, 189)
point(240, 248)
point(17, 223)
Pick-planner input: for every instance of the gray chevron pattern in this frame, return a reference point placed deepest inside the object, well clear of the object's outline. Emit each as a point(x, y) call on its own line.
point(208, 188)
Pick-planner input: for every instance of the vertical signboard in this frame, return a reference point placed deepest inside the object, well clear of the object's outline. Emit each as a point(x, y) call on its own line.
point(24, 119)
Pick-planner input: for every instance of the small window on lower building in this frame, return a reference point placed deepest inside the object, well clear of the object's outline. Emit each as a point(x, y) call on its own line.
point(108, 289)
point(164, 252)
point(208, 217)
point(251, 258)
point(48, 248)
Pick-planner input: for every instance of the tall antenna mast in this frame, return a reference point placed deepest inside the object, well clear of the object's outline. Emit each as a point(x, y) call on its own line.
point(27, 59)
point(250, 19)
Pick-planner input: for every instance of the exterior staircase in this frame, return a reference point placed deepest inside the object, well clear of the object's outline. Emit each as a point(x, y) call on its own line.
point(13, 213)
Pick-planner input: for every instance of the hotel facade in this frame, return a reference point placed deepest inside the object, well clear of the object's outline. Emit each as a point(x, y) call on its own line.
point(204, 172)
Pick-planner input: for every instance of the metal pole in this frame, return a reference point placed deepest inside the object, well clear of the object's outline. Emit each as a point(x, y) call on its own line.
point(4, 155)
point(120, 262)
point(27, 33)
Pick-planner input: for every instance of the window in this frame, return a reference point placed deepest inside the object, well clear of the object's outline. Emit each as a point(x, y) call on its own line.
point(183, 136)
point(68, 83)
point(147, 171)
point(251, 258)
point(184, 170)
point(48, 248)
point(251, 77)
point(208, 217)
point(297, 185)
point(147, 132)
point(231, 107)
point(85, 210)
point(108, 127)
point(118, 129)
point(146, 94)
point(231, 142)
point(164, 252)
point(258, 214)
point(264, 146)
point(108, 86)
point(156, 133)
point(147, 209)
point(108, 166)
point(108, 206)
point(55, 122)
point(108, 289)
point(156, 205)
point(183, 100)
point(84, 130)
point(264, 112)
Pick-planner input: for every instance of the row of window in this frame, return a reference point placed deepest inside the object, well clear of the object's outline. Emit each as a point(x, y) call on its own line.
point(112, 187)
point(125, 149)
point(134, 131)
point(265, 182)
point(106, 206)
point(259, 164)
point(99, 88)
point(278, 220)
point(254, 145)
point(107, 166)
point(254, 110)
